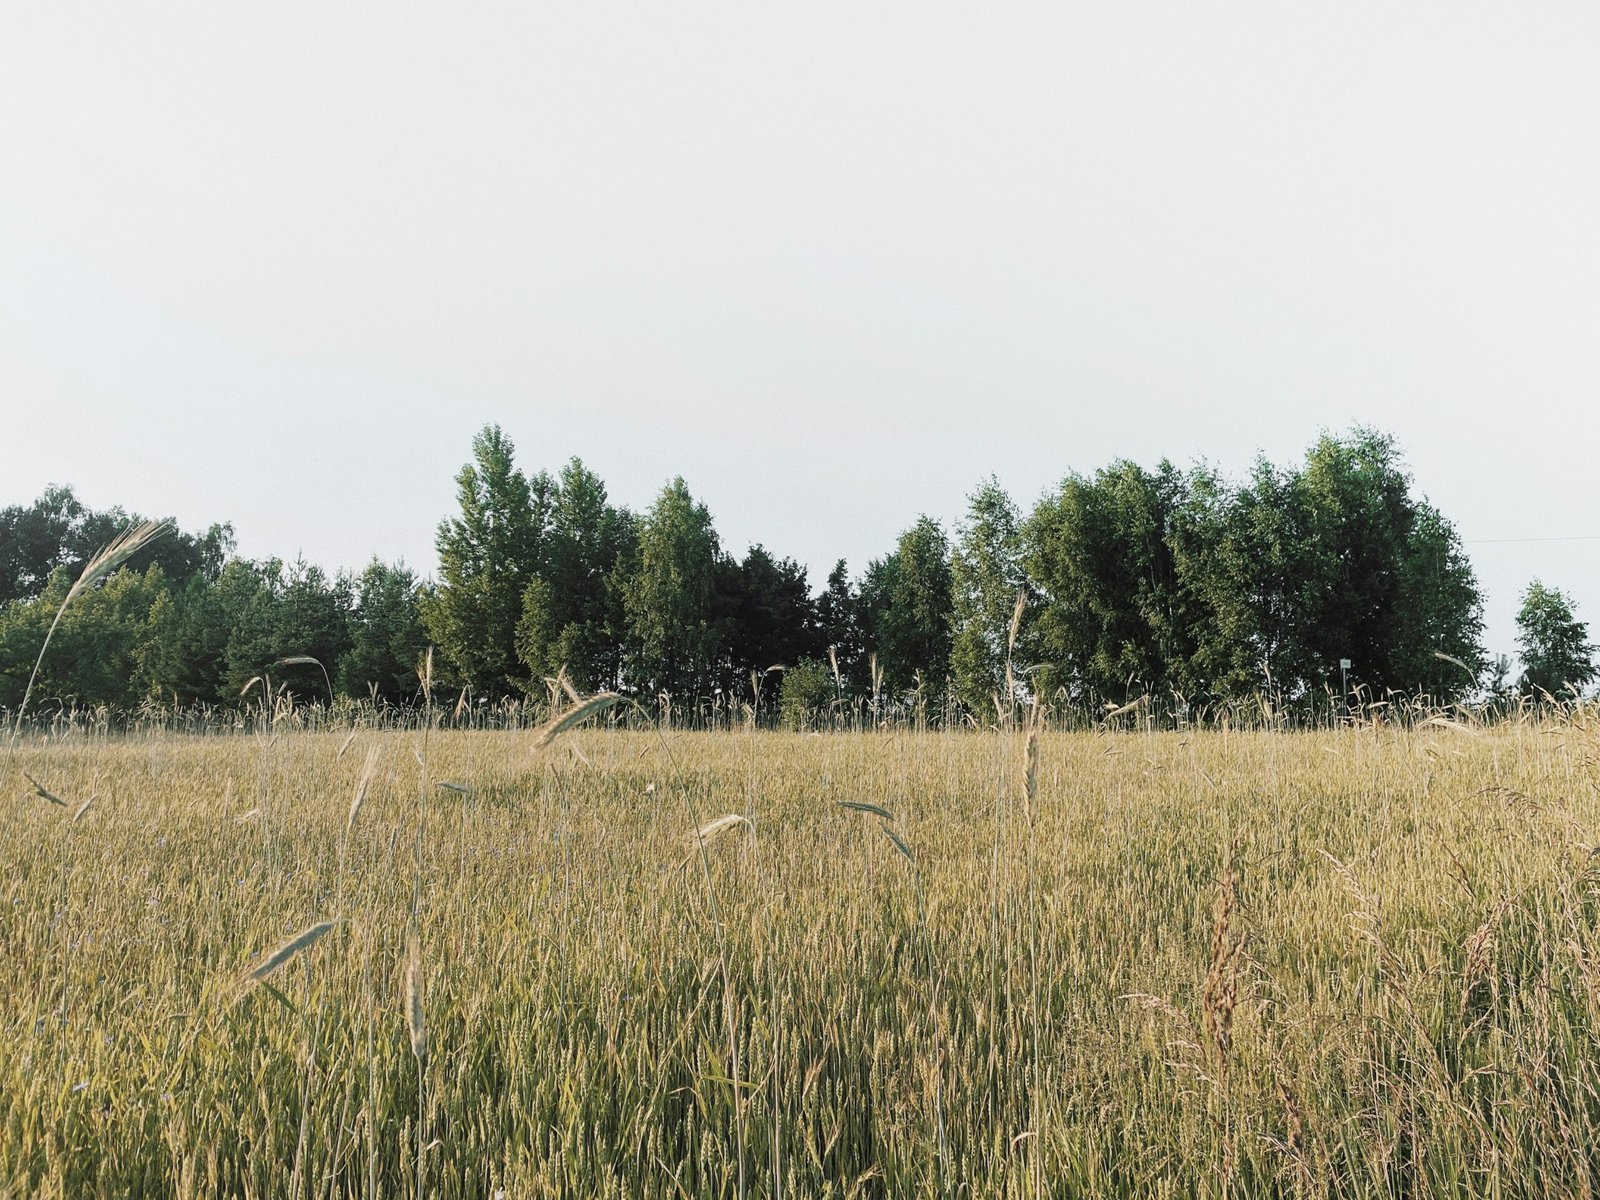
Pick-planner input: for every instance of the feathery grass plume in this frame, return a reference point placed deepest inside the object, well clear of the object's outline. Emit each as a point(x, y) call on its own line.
point(1454, 726)
point(275, 958)
point(1479, 950)
point(565, 681)
point(1011, 649)
point(113, 555)
point(116, 552)
point(416, 1027)
point(461, 789)
point(1016, 620)
point(1451, 658)
point(461, 703)
point(556, 726)
point(43, 792)
point(82, 809)
point(711, 828)
point(345, 746)
point(425, 675)
point(361, 789)
point(1117, 710)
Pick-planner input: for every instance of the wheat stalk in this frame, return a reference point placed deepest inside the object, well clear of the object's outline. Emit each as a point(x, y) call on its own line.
point(361, 790)
point(43, 792)
point(711, 828)
point(416, 1026)
point(573, 717)
point(280, 954)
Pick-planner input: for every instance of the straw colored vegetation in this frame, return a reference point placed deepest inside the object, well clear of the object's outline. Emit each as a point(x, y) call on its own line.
point(1362, 962)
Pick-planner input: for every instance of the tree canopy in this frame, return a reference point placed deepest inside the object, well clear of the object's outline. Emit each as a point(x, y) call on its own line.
point(1175, 585)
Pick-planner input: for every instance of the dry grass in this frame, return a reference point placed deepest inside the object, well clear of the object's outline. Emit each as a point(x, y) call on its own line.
point(1362, 963)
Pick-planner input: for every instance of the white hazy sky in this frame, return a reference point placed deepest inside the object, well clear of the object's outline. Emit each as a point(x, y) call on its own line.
point(832, 262)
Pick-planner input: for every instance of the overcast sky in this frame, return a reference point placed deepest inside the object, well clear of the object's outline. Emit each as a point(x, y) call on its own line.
point(833, 263)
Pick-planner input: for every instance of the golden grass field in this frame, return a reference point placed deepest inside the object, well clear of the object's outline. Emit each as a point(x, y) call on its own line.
point(1394, 989)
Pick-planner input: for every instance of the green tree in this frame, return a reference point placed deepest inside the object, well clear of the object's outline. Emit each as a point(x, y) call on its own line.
point(1271, 583)
point(487, 557)
point(387, 637)
point(572, 613)
point(1110, 623)
point(986, 577)
point(773, 621)
point(1557, 655)
point(99, 648)
point(278, 611)
point(185, 660)
point(839, 626)
point(906, 609)
point(806, 693)
point(57, 531)
point(1440, 615)
point(1358, 567)
point(33, 541)
point(670, 598)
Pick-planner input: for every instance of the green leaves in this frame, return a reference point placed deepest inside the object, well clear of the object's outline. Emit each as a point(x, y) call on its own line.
point(1556, 652)
point(861, 806)
point(487, 556)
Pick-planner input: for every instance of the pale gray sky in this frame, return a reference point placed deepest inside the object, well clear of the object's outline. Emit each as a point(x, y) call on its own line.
point(832, 262)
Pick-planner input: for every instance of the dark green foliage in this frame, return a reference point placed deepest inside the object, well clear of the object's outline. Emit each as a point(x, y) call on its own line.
point(487, 557)
point(57, 532)
point(100, 649)
point(806, 695)
point(386, 636)
point(186, 662)
point(1100, 553)
point(1165, 583)
point(671, 598)
point(572, 610)
point(276, 611)
point(773, 620)
point(839, 626)
point(1557, 656)
point(1172, 583)
point(906, 610)
point(986, 577)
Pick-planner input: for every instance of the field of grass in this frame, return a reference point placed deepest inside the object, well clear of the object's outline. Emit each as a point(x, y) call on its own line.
point(1361, 962)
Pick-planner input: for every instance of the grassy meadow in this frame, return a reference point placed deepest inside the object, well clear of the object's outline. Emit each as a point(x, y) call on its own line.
point(1357, 962)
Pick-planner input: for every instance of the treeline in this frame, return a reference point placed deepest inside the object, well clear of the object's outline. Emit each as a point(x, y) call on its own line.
point(1173, 584)
point(185, 622)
